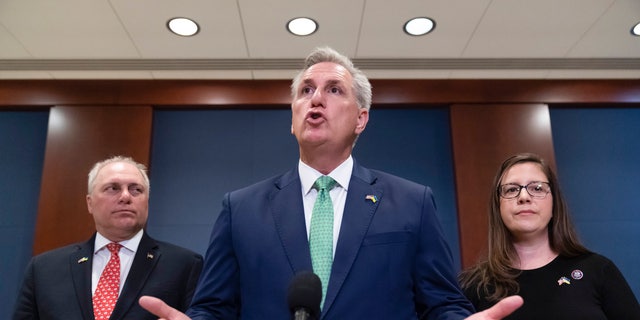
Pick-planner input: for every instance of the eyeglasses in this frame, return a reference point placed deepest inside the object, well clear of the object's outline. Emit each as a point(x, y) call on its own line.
point(536, 189)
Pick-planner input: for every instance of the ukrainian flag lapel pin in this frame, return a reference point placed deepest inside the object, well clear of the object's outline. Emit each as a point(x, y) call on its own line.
point(563, 280)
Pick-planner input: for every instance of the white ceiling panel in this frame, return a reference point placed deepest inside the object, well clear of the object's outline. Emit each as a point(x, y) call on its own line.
point(265, 26)
point(220, 37)
point(382, 35)
point(610, 35)
point(11, 47)
point(533, 29)
point(247, 39)
point(67, 29)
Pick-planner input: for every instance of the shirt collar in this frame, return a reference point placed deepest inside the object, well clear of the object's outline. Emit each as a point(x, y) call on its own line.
point(130, 244)
point(341, 174)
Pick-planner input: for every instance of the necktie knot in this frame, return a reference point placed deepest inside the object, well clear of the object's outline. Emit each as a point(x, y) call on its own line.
point(114, 247)
point(324, 183)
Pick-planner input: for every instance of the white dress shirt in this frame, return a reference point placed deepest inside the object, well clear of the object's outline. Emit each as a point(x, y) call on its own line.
point(342, 175)
point(101, 256)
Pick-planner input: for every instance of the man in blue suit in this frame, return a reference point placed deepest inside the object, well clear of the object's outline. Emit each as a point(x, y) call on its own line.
point(390, 260)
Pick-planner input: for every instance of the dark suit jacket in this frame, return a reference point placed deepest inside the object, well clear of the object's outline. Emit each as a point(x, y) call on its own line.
point(391, 261)
point(57, 283)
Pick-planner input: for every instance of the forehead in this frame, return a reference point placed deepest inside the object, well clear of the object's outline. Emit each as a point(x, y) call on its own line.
point(119, 171)
point(327, 72)
point(524, 172)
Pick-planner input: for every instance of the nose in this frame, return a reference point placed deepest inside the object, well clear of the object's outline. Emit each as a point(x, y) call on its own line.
point(524, 196)
point(125, 196)
point(317, 99)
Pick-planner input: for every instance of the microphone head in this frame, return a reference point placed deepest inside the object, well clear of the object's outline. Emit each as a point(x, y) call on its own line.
point(305, 291)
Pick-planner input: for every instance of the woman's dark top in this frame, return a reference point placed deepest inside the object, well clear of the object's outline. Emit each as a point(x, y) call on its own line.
point(586, 287)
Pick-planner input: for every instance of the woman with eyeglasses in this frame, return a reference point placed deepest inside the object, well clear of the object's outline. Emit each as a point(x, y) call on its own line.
point(534, 252)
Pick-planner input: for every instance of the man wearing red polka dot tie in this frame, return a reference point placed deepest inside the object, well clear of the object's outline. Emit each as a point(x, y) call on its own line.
point(104, 277)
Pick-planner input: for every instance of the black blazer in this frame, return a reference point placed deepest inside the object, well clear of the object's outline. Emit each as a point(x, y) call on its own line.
point(57, 283)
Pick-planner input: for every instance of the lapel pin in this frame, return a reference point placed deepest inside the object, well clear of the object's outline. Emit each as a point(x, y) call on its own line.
point(83, 260)
point(563, 280)
point(149, 255)
point(371, 197)
point(577, 274)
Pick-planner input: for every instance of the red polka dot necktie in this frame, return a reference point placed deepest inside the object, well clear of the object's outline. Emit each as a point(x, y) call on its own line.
point(106, 295)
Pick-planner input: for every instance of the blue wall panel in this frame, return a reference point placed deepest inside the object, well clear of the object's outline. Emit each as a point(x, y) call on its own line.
point(22, 144)
point(198, 155)
point(598, 156)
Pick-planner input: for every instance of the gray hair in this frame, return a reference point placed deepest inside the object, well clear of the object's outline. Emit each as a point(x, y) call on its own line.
point(361, 85)
point(99, 165)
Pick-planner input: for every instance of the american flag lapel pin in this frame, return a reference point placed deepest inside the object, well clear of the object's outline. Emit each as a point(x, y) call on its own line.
point(149, 255)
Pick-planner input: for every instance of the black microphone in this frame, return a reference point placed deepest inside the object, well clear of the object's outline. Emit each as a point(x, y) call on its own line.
point(304, 296)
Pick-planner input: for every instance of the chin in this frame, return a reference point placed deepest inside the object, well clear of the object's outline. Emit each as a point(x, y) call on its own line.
point(312, 139)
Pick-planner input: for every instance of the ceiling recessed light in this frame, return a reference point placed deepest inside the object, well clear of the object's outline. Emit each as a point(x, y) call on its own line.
point(183, 26)
point(302, 26)
point(636, 30)
point(419, 26)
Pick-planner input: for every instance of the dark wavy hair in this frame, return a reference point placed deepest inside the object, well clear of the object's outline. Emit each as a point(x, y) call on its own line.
point(494, 276)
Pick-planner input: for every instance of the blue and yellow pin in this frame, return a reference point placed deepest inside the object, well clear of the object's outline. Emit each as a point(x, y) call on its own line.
point(371, 197)
point(563, 280)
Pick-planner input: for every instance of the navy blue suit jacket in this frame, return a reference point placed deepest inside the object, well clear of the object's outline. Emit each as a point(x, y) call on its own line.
point(57, 283)
point(391, 260)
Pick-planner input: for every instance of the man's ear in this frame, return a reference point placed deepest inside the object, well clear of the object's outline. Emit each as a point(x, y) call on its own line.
point(89, 206)
point(363, 118)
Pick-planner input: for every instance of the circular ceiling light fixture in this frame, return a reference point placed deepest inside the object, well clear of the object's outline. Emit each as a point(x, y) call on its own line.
point(419, 26)
point(636, 30)
point(183, 26)
point(302, 26)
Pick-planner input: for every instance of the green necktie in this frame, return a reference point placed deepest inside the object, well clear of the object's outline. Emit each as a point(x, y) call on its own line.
point(321, 233)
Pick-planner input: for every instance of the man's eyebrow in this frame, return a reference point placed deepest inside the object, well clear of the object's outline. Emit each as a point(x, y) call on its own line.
point(330, 82)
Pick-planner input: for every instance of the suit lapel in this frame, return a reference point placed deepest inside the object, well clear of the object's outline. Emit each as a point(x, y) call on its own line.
point(357, 216)
point(288, 213)
point(80, 262)
point(145, 259)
